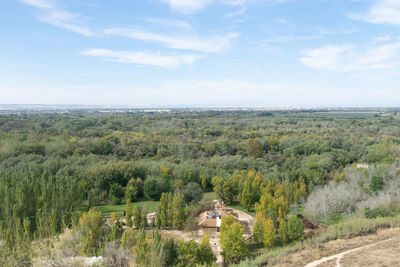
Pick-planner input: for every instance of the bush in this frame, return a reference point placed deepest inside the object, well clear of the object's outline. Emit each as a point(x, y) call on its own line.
point(294, 228)
point(377, 183)
point(380, 211)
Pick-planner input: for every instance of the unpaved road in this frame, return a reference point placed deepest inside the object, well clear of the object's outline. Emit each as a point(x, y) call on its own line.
point(339, 256)
point(381, 249)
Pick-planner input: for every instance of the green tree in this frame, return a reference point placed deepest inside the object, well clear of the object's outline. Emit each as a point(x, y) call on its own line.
point(156, 256)
point(233, 246)
point(170, 210)
point(179, 215)
point(142, 249)
point(134, 189)
point(170, 252)
point(269, 233)
point(92, 229)
point(294, 228)
point(230, 190)
point(206, 255)
point(164, 215)
point(254, 148)
point(128, 213)
point(258, 230)
point(192, 193)
point(137, 216)
point(188, 253)
point(377, 183)
point(128, 239)
point(246, 198)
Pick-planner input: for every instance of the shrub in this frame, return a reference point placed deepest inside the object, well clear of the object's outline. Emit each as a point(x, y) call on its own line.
point(294, 228)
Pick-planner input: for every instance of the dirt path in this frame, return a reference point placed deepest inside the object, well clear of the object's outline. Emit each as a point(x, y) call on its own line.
point(339, 256)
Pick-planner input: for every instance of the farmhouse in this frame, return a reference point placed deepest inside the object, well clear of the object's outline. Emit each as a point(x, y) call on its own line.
point(210, 221)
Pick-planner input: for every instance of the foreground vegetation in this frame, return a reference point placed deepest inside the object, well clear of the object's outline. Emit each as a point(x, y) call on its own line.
point(348, 229)
point(57, 168)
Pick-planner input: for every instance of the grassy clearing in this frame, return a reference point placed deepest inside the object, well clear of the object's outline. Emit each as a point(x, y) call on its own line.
point(119, 209)
point(209, 196)
point(348, 229)
point(252, 212)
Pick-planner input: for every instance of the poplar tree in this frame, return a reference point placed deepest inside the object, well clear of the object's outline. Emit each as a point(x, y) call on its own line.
point(164, 210)
point(137, 216)
point(178, 211)
point(128, 213)
point(246, 198)
point(170, 209)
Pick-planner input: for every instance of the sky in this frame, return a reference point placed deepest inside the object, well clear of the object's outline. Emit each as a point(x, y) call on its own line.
point(201, 53)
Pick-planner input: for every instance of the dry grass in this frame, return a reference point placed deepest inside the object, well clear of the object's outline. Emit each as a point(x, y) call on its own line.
point(344, 234)
point(389, 251)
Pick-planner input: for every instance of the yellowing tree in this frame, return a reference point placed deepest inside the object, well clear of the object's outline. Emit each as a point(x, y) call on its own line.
point(269, 233)
point(206, 255)
point(234, 249)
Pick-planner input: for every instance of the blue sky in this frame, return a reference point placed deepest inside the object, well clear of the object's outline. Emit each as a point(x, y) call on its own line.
point(201, 53)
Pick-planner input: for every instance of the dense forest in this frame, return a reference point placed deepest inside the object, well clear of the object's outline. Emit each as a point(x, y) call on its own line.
point(55, 168)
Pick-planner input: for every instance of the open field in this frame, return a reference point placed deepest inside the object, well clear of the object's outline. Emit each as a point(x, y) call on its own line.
point(119, 209)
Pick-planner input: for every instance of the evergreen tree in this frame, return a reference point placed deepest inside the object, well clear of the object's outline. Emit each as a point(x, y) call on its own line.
point(294, 228)
point(170, 252)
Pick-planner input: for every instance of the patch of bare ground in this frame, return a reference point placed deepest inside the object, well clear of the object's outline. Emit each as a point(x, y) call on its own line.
point(379, 249)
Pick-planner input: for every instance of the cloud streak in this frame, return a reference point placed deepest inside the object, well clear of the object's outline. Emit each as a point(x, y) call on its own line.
point(58, 17)
point(381, 12)
point(187, 6)
point(193, 43)
point(143, 58)
point(192, 6)
point(352, 58)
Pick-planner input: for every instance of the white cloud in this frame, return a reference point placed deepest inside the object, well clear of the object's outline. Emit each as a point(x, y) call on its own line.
point(194, 43)
point(142, 58)
point(381, 12)
point(287, 38)
point(192, 6)
point(187, 6)
point(58, 17)
point(170, 22)
point(39, 3)
point(352, 58)
point(239, 12)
